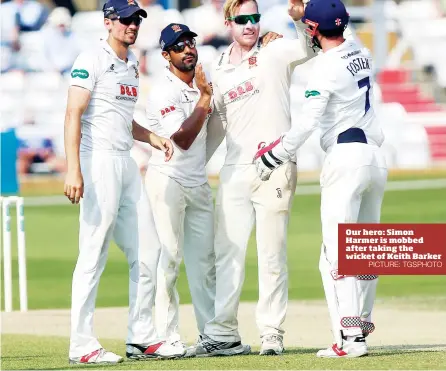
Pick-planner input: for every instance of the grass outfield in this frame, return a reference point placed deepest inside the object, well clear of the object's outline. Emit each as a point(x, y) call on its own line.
point(33, 352)
point(50, 261)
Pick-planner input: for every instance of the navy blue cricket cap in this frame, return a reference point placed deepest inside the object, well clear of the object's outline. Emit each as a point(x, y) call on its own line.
point(122, 8)
point(171, 33)
point(330, 15)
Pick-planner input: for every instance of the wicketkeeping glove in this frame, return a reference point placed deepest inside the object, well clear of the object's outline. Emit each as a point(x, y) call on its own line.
point(269, 158)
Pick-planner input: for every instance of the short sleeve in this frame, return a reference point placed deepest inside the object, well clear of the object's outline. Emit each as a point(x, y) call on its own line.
point(322, 81)
point(164, 113)
point(84, 71)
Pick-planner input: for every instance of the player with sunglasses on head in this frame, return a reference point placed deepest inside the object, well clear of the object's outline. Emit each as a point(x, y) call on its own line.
point(99, 133)
point(251, 94)
point(179, 107)
point(339, 102)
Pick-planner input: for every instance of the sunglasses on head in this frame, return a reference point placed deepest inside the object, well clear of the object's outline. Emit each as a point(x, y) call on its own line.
point(245, 18)
point(180, 46)
point(136, 19)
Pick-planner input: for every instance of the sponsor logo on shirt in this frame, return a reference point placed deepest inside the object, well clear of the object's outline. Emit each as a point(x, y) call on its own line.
point(186, 98)
point(347, 56)
point(311, 93)
point(82, 74)
point(136, 72)
point(111, 68)
point(127, 92)
point(167, 110)
point(240, 92)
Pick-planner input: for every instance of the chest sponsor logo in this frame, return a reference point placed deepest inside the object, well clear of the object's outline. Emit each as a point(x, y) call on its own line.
point(111, 68)
point(167, 110)
point(127, 93)
point(240, 92)
point(81, 74)
point(186, 99)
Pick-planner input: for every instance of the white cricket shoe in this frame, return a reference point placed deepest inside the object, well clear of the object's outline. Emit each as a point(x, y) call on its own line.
point(272, 345)
point(190, 351)
point(160, 350)
point(99, 356)
point(350, 349)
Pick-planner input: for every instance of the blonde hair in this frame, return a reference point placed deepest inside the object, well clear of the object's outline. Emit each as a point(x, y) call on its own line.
point(231, 6)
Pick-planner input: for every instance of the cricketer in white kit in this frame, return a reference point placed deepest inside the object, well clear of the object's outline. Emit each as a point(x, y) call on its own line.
point(99, 133)
point(339, 100)
point(179, 107)
point(251, 94)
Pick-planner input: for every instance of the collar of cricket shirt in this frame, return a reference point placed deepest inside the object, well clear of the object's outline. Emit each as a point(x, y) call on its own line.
point(130, 55)
point(223, 62)
point(340, 48)
point(180, 83)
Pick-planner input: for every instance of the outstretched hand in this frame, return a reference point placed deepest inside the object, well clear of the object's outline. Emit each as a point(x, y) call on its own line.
point(162, 144)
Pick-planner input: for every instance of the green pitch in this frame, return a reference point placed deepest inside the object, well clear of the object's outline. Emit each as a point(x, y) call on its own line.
point(50, 353)
point(52, 235)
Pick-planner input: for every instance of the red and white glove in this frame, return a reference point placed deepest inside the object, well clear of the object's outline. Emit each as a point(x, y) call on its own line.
point(269, 158)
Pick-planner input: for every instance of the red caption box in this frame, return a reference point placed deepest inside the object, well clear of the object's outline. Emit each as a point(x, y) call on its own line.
point(392, 249)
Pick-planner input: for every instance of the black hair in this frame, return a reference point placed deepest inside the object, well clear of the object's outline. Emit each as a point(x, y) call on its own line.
point(332, 33)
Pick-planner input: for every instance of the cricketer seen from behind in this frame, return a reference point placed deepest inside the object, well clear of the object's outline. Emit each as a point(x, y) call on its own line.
point(339, 102)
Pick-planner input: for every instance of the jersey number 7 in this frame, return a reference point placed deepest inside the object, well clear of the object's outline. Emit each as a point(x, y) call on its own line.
point(362, 83)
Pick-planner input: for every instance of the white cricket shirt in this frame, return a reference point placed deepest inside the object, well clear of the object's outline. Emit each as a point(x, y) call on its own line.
point(114, 87)
point(254, 96)
point(339, 96)
point(171, 101)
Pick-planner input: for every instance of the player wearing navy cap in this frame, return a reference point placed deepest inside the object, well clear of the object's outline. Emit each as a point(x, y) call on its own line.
point(101, 175)
point(180, 107)
point(339, 102)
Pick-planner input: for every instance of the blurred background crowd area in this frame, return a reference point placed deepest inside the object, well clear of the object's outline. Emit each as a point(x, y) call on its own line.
point(41, 39)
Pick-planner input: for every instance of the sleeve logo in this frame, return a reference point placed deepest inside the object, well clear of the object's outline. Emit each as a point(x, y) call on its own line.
point(167, 110)
point(82, 74)
point(311, 93)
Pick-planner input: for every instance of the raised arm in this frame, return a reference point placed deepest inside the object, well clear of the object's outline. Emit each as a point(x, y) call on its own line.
point(216, 125)
point(191, 127)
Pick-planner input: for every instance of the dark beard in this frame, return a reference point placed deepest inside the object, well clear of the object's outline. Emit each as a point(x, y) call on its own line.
point(183, 67)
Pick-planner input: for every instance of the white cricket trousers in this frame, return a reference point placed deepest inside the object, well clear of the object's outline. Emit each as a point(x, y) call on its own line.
point(352, 180)
point(116, 206)
point(184, 218)
point(242, 200)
